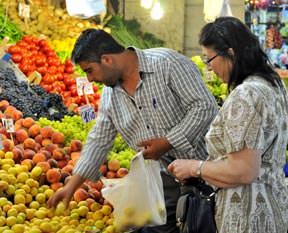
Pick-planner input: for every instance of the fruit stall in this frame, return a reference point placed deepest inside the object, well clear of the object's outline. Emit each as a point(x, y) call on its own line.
point(45, 119)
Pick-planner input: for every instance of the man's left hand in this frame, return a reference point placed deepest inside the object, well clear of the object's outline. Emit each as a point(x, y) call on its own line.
point(154, 148)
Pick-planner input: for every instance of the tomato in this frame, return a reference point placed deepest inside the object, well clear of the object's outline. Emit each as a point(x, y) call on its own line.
point(16, 57)
point(45, 48)
point(59, 84)
point(69, 69)
point(68, 62)
point(48, 79)
point(50, 53)
point(27, 39)
point(46, 87)
point(59, 77)
point(52, 69)
point(42, 70)
point(96, 96)
point(40, 60)
point(66, 94)
point(69, 81)
point(25, 68)
point(53, 61)
point(42, 43)
point(22, 43)
point(73, 90)
point(26, 60)
point(91, 98)
point(14, 49)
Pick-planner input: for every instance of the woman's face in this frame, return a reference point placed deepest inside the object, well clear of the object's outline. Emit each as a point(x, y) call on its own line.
point(220, 65)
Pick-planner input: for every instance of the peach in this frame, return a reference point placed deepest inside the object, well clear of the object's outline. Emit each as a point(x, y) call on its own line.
point(28, 154)
point(90, 202)
point(98, 185)
point(34, 130)
point(21, 135)
point(52, 162)
point(28, 163)
point(38, 139)
point(67, 150)
point(80, 195)
point(46, 132)
point(72, 163)
point(122, 172)
point(111, 175)
point(20, 147)
point(114, 165)
point(29, 143)
point(42, 179)
point(17, 154)
point(53, 175)
point(46, 141)
point(3, 105)
point(68, 169)
point(58, 154)
point(38, 157)
point(18, 123)
point(56, 186)
point(7, 145)
point(57, 138)
point(16, 115)
point(45, 166)
point(61, 163)
point(94, 193)
point(76, 145)
point(75, 156)
point(51, 147)
point(28, 122)
point(37, 147)
point(103, 169)
point(46, 153)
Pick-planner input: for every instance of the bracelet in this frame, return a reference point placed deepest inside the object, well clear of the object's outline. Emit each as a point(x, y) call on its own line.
point(199, 168)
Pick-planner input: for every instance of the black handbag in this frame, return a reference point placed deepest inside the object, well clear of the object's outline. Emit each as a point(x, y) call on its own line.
point(195, 208)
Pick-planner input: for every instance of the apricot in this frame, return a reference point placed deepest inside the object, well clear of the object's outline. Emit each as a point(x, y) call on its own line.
point(28, 154)
point(80, 195)
point(122, 172)
point(51, 147)
point(37, 147)
point(68, 169)
point(76, 145)
point(57, 138)
point(46, 153)
point(16, 115)
point(45, 166)
point(46, 132)
point(29, 143)
point(38, 157)
point(28, 122)
point(58, 154)
point(53, 175)
point(21, 135)
point(34, 130)
point(114, 165)
point(17, 154)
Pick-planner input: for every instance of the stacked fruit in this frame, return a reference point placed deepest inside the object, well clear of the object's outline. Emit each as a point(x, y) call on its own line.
point(33, 165)
point(32, 54)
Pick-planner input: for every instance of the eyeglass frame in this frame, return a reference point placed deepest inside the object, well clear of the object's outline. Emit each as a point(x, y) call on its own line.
point(207, 62)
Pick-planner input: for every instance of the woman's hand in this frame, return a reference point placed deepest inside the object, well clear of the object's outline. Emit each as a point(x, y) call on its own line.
point(183, 168)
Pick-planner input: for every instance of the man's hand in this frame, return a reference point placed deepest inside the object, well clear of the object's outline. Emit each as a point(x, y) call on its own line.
point(154, 148)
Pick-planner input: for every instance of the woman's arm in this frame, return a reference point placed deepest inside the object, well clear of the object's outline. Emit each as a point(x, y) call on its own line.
point(238, 168)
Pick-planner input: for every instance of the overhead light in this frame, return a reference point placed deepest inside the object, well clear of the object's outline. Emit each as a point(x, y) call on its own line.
point(147, 3)
point(157, 11)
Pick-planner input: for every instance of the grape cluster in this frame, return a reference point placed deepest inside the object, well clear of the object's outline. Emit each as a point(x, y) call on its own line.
point(32, 100)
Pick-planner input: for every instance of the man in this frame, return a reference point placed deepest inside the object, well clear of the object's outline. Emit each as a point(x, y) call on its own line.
point(154, 98)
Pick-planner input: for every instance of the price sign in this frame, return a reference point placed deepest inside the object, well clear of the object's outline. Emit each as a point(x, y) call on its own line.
point(8, 125)
point(84, 86)
point(24, 10)
point(87, 113)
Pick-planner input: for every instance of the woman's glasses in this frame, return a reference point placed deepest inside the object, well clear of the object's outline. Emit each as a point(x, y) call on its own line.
point(208, 61)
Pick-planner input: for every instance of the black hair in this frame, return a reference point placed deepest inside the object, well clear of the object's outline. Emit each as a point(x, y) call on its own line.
point(248, 57)
point(92, 44)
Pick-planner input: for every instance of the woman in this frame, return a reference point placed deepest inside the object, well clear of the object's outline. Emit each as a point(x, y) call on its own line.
point(247, 140)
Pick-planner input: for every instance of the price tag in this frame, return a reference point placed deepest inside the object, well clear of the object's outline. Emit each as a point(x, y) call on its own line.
point(8, 125)
point(84, 86)
point(87, 113)
point(24, 10)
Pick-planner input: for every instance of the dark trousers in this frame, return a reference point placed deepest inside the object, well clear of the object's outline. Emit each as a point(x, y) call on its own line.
point(172, 194)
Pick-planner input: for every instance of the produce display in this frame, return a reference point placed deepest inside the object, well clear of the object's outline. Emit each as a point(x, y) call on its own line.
point(32, 100)
point(34, 55)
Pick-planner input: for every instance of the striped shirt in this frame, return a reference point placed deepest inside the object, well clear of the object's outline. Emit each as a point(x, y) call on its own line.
point(171, 101)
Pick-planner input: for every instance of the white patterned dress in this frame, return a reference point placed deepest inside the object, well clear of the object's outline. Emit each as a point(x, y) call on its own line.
point(254, 116)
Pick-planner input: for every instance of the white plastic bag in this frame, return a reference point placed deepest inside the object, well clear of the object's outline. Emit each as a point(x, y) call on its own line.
point(137, 198)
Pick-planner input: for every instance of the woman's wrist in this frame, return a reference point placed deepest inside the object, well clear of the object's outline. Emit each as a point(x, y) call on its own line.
point(198, 171)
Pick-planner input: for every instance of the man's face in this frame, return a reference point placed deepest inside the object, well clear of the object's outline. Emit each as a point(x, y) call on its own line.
point(101, 73)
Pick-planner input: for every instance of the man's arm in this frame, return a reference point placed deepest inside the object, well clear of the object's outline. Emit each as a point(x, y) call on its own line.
point(186, 82)
point(99, 142)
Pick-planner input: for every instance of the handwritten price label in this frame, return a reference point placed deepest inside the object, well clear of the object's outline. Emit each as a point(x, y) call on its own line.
point(84, 86)
point(8, 125)
point(87, 113)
